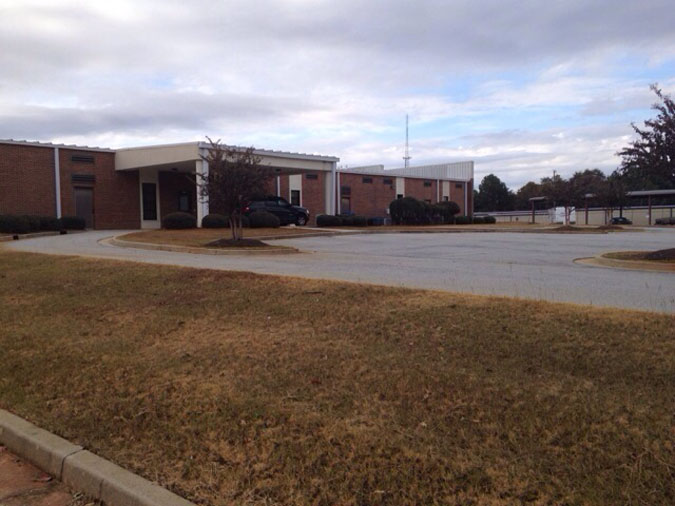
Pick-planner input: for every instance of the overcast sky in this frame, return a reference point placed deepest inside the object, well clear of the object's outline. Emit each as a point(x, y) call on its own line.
point(520, 87)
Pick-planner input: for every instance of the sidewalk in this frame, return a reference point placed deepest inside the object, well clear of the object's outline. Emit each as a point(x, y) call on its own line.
point(22, 484)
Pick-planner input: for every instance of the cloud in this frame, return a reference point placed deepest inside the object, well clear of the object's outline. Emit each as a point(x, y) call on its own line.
point(495, 81)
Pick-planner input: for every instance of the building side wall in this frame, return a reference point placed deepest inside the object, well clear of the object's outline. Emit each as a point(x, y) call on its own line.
point(27, 180)
point(369, 199)
point(415, 188)
point(116, 194)
point(171, 185)
point(313, 194)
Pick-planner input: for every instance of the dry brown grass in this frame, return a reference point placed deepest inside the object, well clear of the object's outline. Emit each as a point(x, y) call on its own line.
point(234, 388)
point(660, 256)
point(201, 237)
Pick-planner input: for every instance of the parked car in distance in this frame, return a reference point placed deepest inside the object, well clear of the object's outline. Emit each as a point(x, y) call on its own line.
point(281, 208)
point(620, 220)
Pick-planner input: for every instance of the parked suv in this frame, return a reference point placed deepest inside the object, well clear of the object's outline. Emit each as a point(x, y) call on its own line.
point(620, 220)
point(280, 208)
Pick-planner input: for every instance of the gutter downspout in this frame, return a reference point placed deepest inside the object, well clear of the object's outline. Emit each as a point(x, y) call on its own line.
point(57, 182)
point(466, 200)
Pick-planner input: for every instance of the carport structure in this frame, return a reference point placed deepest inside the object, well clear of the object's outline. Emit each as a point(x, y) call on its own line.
point(167, 177)
point(649, 194)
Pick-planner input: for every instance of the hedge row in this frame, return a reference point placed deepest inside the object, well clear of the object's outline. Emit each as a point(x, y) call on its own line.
point(26, 224)
point(328, 220)
point(410, 211)
point(258, 219)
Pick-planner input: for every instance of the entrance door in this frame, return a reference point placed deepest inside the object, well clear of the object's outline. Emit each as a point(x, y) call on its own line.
point(84, 205)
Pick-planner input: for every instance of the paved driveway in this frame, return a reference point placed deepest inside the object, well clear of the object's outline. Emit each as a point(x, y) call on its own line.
point(537, 266)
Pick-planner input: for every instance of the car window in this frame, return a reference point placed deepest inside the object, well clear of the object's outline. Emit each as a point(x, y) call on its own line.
point(256, 205)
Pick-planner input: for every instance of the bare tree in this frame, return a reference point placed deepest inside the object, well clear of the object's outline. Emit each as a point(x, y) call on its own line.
point(235, 176)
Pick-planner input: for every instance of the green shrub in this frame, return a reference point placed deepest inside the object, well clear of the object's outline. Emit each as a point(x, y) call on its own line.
point(347, 221)
point(263, 219)
point(10, 224)
point(33, 222)
point(328, 220)
point(478, 220)
point(462, 220)
point(179, 221)
point(445, 211)
point(73, 223)
point(377, 221)
point(50, 223)
point(408, 211)
point(360, 221)
point(490, 219)
point(215, 221)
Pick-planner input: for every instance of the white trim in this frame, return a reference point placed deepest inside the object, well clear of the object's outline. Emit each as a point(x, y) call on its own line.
point(278, 186)
point(338, 192)
point(52, 145)
point(57, 182)
point(202, 167)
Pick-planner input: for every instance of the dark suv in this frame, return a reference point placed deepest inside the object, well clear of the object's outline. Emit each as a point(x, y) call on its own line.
point(280, 208)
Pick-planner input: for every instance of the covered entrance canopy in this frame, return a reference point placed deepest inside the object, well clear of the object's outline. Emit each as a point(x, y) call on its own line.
point(170, 169)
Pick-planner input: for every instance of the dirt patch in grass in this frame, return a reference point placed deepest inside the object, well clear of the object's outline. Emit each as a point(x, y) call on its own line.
point(201, 237)
point(235, 388)
point(611, 228)
point(664, 255)
point(240, 243)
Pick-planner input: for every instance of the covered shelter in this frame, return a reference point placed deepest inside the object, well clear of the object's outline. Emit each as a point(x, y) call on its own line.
point(649, 194)
point(168, 173)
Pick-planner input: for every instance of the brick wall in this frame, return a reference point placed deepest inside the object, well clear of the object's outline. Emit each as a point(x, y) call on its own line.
point(116, 194)
point(27, 180)
point(171, 185)
point(313, 196)
point(369, 199)
point(414, 187)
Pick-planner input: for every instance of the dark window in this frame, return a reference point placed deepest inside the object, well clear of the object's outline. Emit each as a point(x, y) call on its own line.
point(184, 202)
point(256, 205)
point(445, 198)
point(83, 178)
point(149, 201)
point(428, 201)
point(399, 196)
point(427, 184)
point(311, 176)
point(82, 158)
point(458, 185)
point(367, 179)
point(295, 197)
point(387, 181)
point(345, 190)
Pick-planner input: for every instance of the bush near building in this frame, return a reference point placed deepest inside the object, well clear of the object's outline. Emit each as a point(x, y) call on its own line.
point(263, 219)
point(410, 211)
point(178, 221)
point(215, 221)
point(26, 224)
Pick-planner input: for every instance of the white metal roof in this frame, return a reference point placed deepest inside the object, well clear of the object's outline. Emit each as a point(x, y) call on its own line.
point(52, 145)
point(650, 193)
point(457, 171)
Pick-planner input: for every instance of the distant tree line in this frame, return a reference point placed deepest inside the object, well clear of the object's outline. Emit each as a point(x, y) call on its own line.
point(648, 163)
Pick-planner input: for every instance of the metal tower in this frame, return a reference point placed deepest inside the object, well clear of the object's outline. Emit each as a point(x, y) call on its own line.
point(406, 157)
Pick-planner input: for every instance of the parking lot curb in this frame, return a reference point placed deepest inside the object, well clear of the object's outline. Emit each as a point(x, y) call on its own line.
point(121, 243)
point(80, 469)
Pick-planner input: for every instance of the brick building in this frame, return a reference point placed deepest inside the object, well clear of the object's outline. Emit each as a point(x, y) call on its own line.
point(135, 187)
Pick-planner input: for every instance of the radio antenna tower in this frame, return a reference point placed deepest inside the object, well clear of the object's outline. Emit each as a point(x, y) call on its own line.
point(406, 157)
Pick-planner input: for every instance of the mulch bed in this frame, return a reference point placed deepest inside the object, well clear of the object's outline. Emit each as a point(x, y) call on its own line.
point(238, 243)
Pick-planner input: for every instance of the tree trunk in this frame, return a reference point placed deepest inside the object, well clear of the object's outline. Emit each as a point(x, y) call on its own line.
point(233, 226)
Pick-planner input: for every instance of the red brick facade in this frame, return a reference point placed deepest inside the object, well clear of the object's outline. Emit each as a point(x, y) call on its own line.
point(313, 194)
point(27, 180)
point(367, 198)
point(418, 188)
point(171, 186)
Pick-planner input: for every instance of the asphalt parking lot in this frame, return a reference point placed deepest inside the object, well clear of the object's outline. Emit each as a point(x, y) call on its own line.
point(528, 265)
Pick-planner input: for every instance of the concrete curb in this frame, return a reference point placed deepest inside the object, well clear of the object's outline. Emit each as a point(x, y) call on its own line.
point(631, 265)
point(81, 469)
point(7, 238)
point(114, 241)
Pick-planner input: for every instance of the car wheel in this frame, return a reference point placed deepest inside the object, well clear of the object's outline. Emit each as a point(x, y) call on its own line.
point(301, 221)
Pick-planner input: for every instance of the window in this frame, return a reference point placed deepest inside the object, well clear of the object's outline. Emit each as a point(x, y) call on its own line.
point(445, 198)
point(345, 190)
point(427, 184)
point(458, 186)
point(295, 197)
point(311, 176)
point(83, 178)
point(149, 192)
point(82, 158)
point(387, 181)
point(367, 180)
point(399, 196)
point(184, 202)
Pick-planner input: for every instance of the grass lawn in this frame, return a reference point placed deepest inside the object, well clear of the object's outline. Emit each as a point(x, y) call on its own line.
point(235, 388)
point(200, 237)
